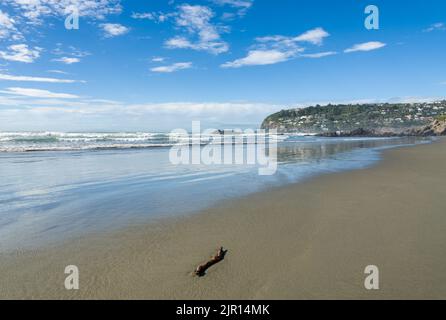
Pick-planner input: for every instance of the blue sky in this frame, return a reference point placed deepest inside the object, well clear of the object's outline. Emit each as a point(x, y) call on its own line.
point(158, 65)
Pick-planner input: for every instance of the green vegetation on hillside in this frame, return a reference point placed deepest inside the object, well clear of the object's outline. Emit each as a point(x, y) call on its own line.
point(332, 118)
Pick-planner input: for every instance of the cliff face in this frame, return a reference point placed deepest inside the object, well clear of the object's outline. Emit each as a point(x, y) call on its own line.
point(436, 128)
point(381, 119)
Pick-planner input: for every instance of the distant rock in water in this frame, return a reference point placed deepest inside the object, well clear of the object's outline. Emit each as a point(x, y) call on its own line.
point(382, 119)
point(359, 133)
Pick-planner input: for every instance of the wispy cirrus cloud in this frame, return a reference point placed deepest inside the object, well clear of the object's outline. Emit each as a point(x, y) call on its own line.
point(319, 54)
point(114, 29)
point(439, 26)
point(57, 71)
point(158, 59)
point(69, 55)
point(37, 93)
point(21, 53)
point(9, 77)
point(172, 68)
point(241, 7)
point(67, 60)
point(235, 3)
point(69, 51)
point(367, 46)
point(158, 17)
point(275, 49)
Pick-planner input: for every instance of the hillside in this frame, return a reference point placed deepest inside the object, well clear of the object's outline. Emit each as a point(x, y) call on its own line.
point(377, 117)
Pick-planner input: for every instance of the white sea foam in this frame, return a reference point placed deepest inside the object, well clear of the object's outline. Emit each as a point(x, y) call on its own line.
point(74, 141)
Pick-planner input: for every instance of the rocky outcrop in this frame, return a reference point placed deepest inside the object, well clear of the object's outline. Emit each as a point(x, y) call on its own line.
point(436, 128)
point(439, 127)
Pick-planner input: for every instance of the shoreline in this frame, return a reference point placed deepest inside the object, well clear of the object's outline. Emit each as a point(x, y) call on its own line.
point(301, 241)
point(119, 189)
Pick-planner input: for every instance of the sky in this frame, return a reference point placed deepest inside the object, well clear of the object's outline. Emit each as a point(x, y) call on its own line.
point(158, 65)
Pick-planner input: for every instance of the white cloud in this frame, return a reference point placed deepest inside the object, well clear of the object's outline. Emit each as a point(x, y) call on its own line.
point(184, 43)
point(9, 77)
point(440, 26)
point(35, 10)
point(315, 36)
point(158, 59)
point(69, 55)
point(258, 58)
point(21, 53)
point(204, 109)
point(278, 48)
point(172, 68)
point(179, 43)
point(319, 54)
point(75, 115)
point(26, 113)
point(242, 7)
point(69, 51)
point(57, 71)
point(8, 28)
point(157, 17)
point(143, 15)
point(114, 29)
point(6, 21)
point(202, 34)
point(368, 46)
point(68, 60)
point(235, 3)
point(195, 22)
point(38, 93)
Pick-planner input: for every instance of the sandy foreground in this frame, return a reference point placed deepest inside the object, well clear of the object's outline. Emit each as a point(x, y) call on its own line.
point(307, 241)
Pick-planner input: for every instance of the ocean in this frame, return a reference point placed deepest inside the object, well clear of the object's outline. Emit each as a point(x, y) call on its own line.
point(59, 186)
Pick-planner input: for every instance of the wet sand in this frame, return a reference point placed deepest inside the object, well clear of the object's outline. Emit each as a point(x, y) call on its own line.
point(306, 241)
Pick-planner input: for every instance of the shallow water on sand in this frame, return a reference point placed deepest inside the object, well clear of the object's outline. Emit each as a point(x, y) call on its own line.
point(50, 196)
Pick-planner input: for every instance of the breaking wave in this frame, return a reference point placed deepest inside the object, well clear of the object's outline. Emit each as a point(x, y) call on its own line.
point(60, 141)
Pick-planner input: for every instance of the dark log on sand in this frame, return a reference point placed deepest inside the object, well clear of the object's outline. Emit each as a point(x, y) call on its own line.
point(220, 256)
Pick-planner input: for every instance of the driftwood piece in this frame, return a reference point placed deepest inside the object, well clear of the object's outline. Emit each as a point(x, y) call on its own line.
point(220, 256)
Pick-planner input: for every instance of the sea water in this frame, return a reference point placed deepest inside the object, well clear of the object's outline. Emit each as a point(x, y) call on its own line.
point(59, 186)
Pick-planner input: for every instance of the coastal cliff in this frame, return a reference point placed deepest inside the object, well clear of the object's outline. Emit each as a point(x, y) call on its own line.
point(419, 119)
